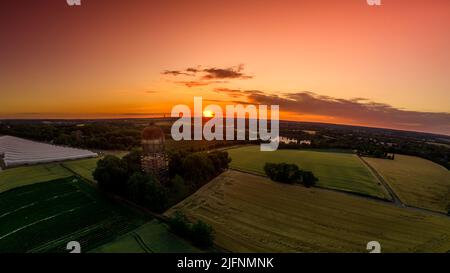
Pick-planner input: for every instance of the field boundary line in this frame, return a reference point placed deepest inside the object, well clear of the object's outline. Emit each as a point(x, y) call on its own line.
point(63, 164)
point(37, 202)
point(41, 220)
point(17, 209)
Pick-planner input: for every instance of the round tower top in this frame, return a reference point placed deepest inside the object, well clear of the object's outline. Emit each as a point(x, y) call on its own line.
point(152, 133)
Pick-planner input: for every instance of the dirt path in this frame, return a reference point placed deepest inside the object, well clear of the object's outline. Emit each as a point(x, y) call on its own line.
point(395, 199)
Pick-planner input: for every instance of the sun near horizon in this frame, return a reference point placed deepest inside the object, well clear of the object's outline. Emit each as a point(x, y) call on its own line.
point(340, 62)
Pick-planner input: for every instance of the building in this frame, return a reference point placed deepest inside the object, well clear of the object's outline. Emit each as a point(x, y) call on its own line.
point(154, 158)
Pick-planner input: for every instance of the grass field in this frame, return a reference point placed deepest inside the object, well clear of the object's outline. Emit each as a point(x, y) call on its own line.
point(22, 176)
point(153, 237)
point(417, 182)
point(44, 217)
point(84, 167)
point(335, 170)
point(251, 213)
point(28, 175)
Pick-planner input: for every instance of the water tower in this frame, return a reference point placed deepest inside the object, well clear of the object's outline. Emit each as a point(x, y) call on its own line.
point(154, 158)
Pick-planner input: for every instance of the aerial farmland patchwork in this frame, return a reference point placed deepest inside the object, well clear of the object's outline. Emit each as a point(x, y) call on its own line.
point(349, 206)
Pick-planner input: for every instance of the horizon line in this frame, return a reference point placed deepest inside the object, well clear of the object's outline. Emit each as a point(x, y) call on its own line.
point(169, 117)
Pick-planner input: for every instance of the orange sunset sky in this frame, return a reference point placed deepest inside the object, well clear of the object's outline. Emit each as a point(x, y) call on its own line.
point(336, 61)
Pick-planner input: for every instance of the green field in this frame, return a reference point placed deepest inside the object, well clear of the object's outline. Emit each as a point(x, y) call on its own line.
point(335, 170)
point(44, 217)
point(253, 214)
point(83, 168)
point(28, 175)
point(418, 182)
point(151, 237)
point(22, 176)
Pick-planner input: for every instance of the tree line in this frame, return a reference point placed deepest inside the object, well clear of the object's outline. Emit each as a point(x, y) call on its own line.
point(187, 173)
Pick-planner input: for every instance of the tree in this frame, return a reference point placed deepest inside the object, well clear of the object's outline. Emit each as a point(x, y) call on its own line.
point(308, 179)
point(145, 190)
point(198, 168)
point(180, 225)
point(177, 189)
point(283, 172)
point(136, 187)
point(202, 234)
point(289, 173)
point(132, 161)
point(220, 160)
point(111, 174)
point(155, 196)
point(176, 163)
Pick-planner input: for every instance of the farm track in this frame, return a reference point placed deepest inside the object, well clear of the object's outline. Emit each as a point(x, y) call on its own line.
point(141, 243)
point(395, 199)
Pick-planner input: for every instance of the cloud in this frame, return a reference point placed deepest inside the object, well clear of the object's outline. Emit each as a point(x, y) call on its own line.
point(227, 102)
point(197, 83)
point(176, 73)
point(225, 73)
point(209, 75)
point(234, 93)
point(359, 111)
point(237, 93)
point(192, 70)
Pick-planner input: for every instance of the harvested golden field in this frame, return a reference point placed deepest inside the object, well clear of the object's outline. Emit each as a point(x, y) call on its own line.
point(253, 214)
point(418, 182)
